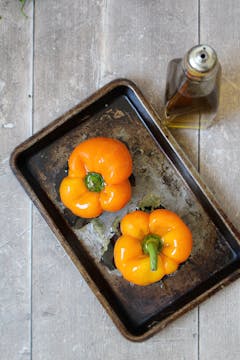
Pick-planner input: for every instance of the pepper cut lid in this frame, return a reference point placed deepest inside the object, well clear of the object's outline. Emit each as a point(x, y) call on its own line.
point(201, 59)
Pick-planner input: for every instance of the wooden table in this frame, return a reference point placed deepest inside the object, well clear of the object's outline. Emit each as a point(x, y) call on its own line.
point(51, 60)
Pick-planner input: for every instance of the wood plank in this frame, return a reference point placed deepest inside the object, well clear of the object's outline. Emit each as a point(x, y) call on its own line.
point(78, 47)
point(220, 154)
point(15, 220)
point(67, 56)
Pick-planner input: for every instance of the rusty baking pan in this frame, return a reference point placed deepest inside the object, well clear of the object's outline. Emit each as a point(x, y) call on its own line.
point(162, 176)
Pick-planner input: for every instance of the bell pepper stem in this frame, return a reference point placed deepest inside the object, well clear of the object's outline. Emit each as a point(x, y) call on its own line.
point(94, 182)
point(152, 245)
point(153, 254)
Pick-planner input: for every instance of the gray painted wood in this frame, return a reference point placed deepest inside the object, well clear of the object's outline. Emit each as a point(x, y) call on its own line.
point(47, 310)
point(15, 220)
point(219, 320)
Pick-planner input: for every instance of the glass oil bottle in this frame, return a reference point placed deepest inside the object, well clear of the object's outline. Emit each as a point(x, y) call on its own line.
point(192, 89)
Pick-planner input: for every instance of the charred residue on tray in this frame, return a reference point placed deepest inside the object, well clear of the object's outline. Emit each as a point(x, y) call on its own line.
point(58, 179)
point(107, 258)
point(150, 202)
point(74, 221)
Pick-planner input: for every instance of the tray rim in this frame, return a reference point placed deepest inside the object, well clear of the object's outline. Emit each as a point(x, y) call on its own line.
point(97, 95)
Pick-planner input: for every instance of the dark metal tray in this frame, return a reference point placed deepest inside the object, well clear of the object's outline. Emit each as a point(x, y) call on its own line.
point(161, 171)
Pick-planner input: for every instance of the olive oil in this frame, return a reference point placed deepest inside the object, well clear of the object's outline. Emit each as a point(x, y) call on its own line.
point(192, 89)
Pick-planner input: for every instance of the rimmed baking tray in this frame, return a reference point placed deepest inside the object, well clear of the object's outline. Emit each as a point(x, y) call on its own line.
point(162, 176)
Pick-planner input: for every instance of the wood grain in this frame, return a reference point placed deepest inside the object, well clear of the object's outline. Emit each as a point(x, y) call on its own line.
point(15, 220)
point(219, 320)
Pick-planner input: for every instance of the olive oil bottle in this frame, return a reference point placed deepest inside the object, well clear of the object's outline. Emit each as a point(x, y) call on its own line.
point(192, 89)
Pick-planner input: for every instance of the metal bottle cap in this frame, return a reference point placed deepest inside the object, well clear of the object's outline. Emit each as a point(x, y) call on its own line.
point(201, 60)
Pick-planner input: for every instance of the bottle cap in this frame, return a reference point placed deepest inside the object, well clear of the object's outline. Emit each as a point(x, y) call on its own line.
point(201, 60)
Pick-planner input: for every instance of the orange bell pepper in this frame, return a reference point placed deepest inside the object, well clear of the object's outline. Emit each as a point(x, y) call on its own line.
point(151, 246)
point(97, 179)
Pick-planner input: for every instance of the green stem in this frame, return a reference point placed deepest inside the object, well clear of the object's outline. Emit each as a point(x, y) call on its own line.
point(94, 182)
point(152, 245)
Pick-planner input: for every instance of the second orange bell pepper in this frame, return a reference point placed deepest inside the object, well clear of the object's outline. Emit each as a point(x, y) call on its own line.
point(97, 179)
point(151, 246)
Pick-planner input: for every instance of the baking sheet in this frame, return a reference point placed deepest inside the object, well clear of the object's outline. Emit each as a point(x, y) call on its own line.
point(161, 176)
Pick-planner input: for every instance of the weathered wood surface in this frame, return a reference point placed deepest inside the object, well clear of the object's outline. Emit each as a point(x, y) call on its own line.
point(15, 209)
point(47, 310)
